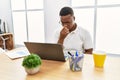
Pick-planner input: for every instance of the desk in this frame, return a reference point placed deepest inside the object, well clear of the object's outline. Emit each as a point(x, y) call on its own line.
point(54, 70)
point(9, 42)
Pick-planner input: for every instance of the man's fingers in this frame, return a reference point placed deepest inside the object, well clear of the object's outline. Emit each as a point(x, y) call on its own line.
point(65, 25)
point(65, 28)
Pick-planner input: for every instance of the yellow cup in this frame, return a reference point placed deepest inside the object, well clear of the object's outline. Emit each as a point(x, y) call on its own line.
point(99, 59)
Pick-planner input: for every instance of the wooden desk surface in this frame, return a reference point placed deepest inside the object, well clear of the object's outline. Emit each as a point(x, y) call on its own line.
point(54, 70)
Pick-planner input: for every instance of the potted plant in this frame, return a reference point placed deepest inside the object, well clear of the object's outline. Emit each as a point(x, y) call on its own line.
point(32, 63)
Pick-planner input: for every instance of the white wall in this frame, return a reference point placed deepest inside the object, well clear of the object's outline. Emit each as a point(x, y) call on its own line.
point(5, 13)
point(51, 11)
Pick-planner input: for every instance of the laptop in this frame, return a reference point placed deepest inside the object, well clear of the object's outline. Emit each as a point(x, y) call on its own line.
point(47, 51)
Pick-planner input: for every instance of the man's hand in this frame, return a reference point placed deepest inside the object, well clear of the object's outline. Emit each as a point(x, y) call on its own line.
point(64, 32)
point(89, 51)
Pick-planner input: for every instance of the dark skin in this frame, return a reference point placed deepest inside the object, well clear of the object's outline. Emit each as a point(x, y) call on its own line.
point(68, 26)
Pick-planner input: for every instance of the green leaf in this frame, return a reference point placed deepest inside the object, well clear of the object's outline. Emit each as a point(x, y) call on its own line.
point(31, 61)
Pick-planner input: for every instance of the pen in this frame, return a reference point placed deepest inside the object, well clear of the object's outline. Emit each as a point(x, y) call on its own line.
point(71, 61)
point(70, 53)
point(76, 54)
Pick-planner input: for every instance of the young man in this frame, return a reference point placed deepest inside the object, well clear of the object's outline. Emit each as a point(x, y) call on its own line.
point(72, 36)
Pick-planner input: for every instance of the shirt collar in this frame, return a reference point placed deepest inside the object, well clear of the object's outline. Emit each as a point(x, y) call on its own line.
point(75, 29)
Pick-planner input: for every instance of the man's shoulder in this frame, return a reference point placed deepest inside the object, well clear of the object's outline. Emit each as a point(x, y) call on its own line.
point(82, 30)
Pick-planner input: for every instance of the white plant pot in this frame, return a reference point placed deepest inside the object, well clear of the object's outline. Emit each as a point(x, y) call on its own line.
point(32, 70)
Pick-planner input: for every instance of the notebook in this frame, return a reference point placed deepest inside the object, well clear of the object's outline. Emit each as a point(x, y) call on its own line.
point(47, 51)
point(17, 53)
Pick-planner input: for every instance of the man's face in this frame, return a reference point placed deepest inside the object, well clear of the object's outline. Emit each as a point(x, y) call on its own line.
point(67, 21)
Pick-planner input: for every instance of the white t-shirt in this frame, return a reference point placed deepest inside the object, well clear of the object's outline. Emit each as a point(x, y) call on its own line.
point(79, 39)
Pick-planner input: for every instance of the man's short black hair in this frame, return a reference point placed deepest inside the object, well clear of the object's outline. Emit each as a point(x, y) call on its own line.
point(66, 11)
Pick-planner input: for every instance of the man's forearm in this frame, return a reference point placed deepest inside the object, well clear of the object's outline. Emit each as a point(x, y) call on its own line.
point(60, 41)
